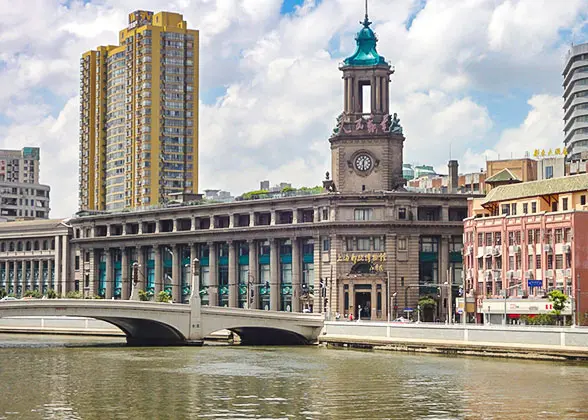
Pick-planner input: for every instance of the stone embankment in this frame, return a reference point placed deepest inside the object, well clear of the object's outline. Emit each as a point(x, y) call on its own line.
point(541, 343)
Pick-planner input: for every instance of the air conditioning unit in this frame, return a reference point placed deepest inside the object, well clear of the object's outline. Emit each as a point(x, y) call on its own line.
point(510, 274)
point(497, 251)
point(530, 274)
point(517, 249)
point(567, 248)
point(549, 274)
point(547, 248)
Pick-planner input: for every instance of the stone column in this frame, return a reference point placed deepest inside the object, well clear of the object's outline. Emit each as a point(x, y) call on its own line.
point(158, 269)
point(176, 276)
point(296, 269)
point(252, 219)
point(233, 279)
point(64, 263)
point(48, 281)
point(211, 226)
point(273, 217)
point(140, 228)
point(212, 265)
point(124, 229)
point(445, 213)
point(109, 276)
point(124, 266)
point(157, 226)
point(142, 268)
point(253, 274)
point(443, 275)
point(108, 230)
point(315, 215)
point(23, 279)
point(294, 216)
point(175, 225)
point(57, 260)
point(193, 224)
point(232, 220)
point(274, 275)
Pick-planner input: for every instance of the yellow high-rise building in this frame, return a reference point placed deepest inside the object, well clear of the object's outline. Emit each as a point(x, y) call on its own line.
point(139, 115)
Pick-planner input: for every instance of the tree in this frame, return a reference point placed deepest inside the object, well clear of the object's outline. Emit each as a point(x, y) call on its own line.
point(559, 300)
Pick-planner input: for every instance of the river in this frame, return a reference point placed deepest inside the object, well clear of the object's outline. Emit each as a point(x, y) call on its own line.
point(52, 377)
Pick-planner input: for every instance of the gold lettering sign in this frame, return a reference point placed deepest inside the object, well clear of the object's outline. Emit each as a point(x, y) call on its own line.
point(353, 257)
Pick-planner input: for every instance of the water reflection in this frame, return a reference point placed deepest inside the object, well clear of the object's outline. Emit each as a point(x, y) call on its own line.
point(238, 382)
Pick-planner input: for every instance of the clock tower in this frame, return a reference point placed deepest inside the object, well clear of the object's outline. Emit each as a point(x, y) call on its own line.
point(367, 142)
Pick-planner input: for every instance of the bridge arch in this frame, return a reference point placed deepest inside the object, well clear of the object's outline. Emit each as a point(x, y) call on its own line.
point(265, 336)
point(145, 331)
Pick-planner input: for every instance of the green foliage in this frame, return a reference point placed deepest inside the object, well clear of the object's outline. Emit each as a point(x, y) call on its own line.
point(74, 295)
point(427, 302)
point(541, 319)
point(51, 294)
point(33, 294)
point(313, 190)
point(163, 296)
point(3, 293)
point(97, 297)
point(144, 296)
point(254, 194)
point(558, 299)
point(288, 189)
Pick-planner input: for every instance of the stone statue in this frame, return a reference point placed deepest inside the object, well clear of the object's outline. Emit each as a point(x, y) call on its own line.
point(395, 127)
point(327, 175)
point(338, 126)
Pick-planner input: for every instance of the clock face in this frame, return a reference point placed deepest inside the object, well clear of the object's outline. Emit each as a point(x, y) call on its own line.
point(363, 163)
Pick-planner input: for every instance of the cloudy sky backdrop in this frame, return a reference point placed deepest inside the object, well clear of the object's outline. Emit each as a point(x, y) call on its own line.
point(483, 76)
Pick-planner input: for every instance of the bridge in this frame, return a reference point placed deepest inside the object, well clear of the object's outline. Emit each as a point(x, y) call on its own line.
point(154, 323)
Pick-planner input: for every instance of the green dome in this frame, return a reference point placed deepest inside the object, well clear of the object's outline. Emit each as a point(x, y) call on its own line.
point(365, 53)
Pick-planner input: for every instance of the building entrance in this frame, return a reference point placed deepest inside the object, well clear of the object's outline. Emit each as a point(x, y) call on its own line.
point(363, 305)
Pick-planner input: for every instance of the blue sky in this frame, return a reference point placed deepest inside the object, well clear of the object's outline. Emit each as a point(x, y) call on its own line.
point(482, 75)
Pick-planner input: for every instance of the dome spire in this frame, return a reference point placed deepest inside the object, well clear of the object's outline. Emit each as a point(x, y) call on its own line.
point(366, 22)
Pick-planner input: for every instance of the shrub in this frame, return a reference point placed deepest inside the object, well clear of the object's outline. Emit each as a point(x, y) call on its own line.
point(3, 293)
point(163, 296)
point(74, 295)
point(33, 294)
point(144, 296)
point(51, 294)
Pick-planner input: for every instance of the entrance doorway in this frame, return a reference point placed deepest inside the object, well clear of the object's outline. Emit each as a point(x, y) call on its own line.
point(363, 303)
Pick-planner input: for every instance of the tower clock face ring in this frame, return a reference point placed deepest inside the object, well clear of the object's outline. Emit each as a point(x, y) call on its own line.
point(363, 162)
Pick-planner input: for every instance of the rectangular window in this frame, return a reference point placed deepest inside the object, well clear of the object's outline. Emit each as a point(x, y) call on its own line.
point(205, 275)
point(559, 262)
point(525, 208)
point(497, 238)
point(363, 244)
point(243, 274)
point(511, 263)
point(326, 244)
point(518, 237)
point(550, 261)
point(402, 244)
point(402, 213)
point(378, 244)
point(286, 274)
point(548, 236)
point(530, 236)
point(488, 238)
point(264, 273)
point(325, 214)
point(505, 209)
point(538, 261)
point(530, 261)
point(480, 239)
point(537, 236)
point(363, 214)
point(564, 203)
point(583, 200)
point(568, 235)
point(534, 207)
point(548, 172)
point(558, 236)
point(77, 262)
point(510, 238)
point(513, 209)
point(498, 263)
point(349, 244)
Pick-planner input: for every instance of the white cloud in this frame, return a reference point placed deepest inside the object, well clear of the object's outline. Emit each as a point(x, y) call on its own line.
point(283, 89)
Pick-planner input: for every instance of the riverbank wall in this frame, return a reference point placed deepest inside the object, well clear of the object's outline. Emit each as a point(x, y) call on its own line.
point(541, 343)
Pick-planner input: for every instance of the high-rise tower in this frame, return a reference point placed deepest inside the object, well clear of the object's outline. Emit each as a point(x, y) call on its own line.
point(367, 143)
point(139, 115)
point(576, 103)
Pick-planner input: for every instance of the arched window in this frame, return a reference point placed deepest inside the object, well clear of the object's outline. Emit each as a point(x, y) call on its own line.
point(19, 246)
point(2, 247)
point(45, 245)
point(28, 246)
point(11, 246)
point(361, 268)
point(36, 246)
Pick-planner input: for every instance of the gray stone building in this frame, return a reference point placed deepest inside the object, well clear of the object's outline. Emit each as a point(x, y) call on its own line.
point(35, 255)
point(363, 244)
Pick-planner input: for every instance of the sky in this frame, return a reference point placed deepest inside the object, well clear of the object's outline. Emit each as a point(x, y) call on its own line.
point(474, 80)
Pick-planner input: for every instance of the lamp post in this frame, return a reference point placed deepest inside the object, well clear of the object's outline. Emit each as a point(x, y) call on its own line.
point(393, 301)
point(135, 282)
point(505, 296)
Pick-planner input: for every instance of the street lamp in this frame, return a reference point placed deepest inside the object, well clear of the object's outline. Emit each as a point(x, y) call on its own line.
point(393, 303)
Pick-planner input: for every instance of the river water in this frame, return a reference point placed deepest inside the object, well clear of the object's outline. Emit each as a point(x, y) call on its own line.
point(51, 377)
